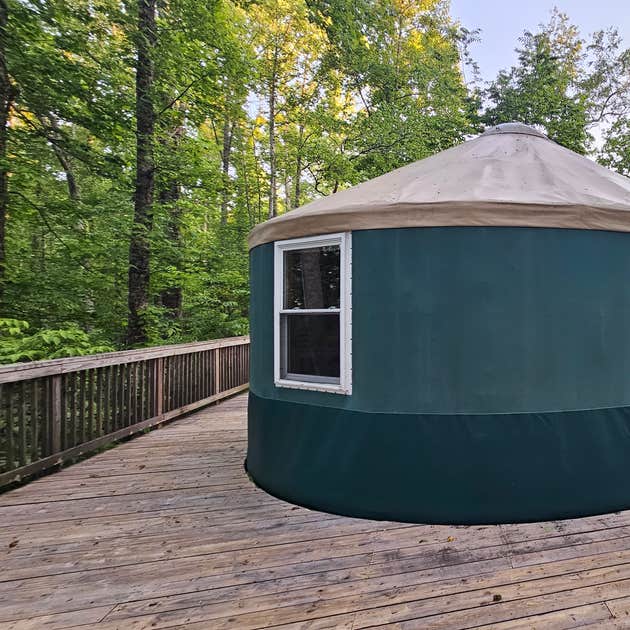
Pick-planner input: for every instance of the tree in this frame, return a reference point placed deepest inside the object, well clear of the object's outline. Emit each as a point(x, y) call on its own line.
point(402, 62)
point(544, 88)
point(6, 99)
point(608, 84)
point(282, 34)
point(139, 248)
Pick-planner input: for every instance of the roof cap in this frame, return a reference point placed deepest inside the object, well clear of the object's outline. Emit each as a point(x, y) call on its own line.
point(514, 127)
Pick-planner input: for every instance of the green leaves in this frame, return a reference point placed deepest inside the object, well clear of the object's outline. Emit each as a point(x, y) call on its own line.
point(572, 88)
point(360, 87)
point(16, 344)
point(543, 89)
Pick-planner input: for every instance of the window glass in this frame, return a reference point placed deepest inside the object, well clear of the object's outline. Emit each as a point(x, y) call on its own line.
point(311, 345)
point(311, 277)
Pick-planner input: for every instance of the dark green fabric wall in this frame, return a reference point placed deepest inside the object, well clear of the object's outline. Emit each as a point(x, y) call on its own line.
point(466, 344)
point(427, 468)
point(474, 320)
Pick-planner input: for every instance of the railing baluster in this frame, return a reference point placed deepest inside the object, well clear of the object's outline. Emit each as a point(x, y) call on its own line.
point(22, 423)
point(135, 392)
point(9, 428)
point(56, 407)
point(81, 411)
point(70, 381)
point(191, 377)
point(34, 416)
point(158, 386)
point(144, 411)
point(118, 399)
point(177, 389)
point(44, 423)
point(89, 375)
point(129, 384)
point(98, 384)
point(107, 392)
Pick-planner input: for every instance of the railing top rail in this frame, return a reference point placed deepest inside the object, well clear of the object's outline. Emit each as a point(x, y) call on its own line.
point(37, 369)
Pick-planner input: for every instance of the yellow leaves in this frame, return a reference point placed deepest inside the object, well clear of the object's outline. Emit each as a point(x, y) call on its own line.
point(326, 19)
point(205, 131)
point(24, 119)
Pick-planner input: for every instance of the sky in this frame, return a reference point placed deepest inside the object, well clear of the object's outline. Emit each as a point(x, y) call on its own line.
point(502, 22)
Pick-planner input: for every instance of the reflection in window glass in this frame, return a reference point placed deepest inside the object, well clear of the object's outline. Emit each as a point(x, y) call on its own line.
point(312, 278)
point(311, 346)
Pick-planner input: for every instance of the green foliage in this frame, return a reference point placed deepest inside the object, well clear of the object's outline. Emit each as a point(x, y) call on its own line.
point(18, 344)
point(615, 152)
point(542, 89)
point(573, 88)
point(402, 61)
point(359, 87)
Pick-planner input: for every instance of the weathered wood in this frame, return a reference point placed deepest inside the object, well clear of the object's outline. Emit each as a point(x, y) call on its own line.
point(38, 369)
point(8, 428)
point(107, 395)
point(129, 398)
point(87, 447)
point(35, 421)
point(166, 531)
point(56, 411)
point(21, 410)
point(82, 406)
point(81, 415)
point(216, 371)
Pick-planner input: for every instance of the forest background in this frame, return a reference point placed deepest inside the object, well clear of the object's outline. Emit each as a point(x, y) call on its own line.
point(141, 141)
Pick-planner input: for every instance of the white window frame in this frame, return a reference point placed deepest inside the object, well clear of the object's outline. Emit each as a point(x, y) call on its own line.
point(344, 240)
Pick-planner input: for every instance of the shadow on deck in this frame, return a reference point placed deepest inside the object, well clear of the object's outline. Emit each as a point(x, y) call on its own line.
point(166, 531)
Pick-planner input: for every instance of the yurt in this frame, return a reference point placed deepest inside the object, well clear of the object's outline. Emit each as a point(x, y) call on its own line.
point(449, 342)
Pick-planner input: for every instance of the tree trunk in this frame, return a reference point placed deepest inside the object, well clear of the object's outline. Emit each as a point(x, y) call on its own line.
point(139, 248)
point(64, 161)
point(244, 177)
point(171, 297)
point(228, 134)
point(62, 158)
point(272, 137)
point(298, 169)
point(6, 97)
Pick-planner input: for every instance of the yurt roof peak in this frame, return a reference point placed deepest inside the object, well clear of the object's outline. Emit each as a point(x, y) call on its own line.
point(514, 127)
point(510, 175)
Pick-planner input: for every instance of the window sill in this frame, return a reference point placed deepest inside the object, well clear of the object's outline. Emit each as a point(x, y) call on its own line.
point(331, 388)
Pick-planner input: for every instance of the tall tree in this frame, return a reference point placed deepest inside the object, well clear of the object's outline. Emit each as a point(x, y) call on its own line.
point(607, 82)
point(139, 247)
point(402, 61)
point(544, 87)
point(6, 98)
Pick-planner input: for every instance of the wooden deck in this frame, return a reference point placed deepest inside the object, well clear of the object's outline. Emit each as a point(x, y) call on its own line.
point(166, 531)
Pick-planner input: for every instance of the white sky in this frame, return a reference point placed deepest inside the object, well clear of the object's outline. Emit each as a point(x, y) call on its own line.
point(503, 22)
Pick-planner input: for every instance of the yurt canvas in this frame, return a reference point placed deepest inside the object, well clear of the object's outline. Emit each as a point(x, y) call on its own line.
point(449, 342)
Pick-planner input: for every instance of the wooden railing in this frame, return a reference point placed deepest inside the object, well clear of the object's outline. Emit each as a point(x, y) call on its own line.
point(54, 411)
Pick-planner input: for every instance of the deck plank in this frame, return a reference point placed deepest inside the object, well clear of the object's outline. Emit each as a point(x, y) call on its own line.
point(166, 531)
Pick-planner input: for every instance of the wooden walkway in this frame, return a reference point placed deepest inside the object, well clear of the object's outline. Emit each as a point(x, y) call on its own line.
point(166, 531)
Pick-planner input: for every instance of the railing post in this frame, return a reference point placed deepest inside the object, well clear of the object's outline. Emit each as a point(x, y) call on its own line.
point(55, 408)
point(159, 386)
point(216, 375)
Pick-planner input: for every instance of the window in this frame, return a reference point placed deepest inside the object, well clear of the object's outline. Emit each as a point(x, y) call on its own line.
point(312, 313)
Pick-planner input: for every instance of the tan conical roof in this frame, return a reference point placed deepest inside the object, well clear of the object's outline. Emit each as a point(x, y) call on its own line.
point(510, 175)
